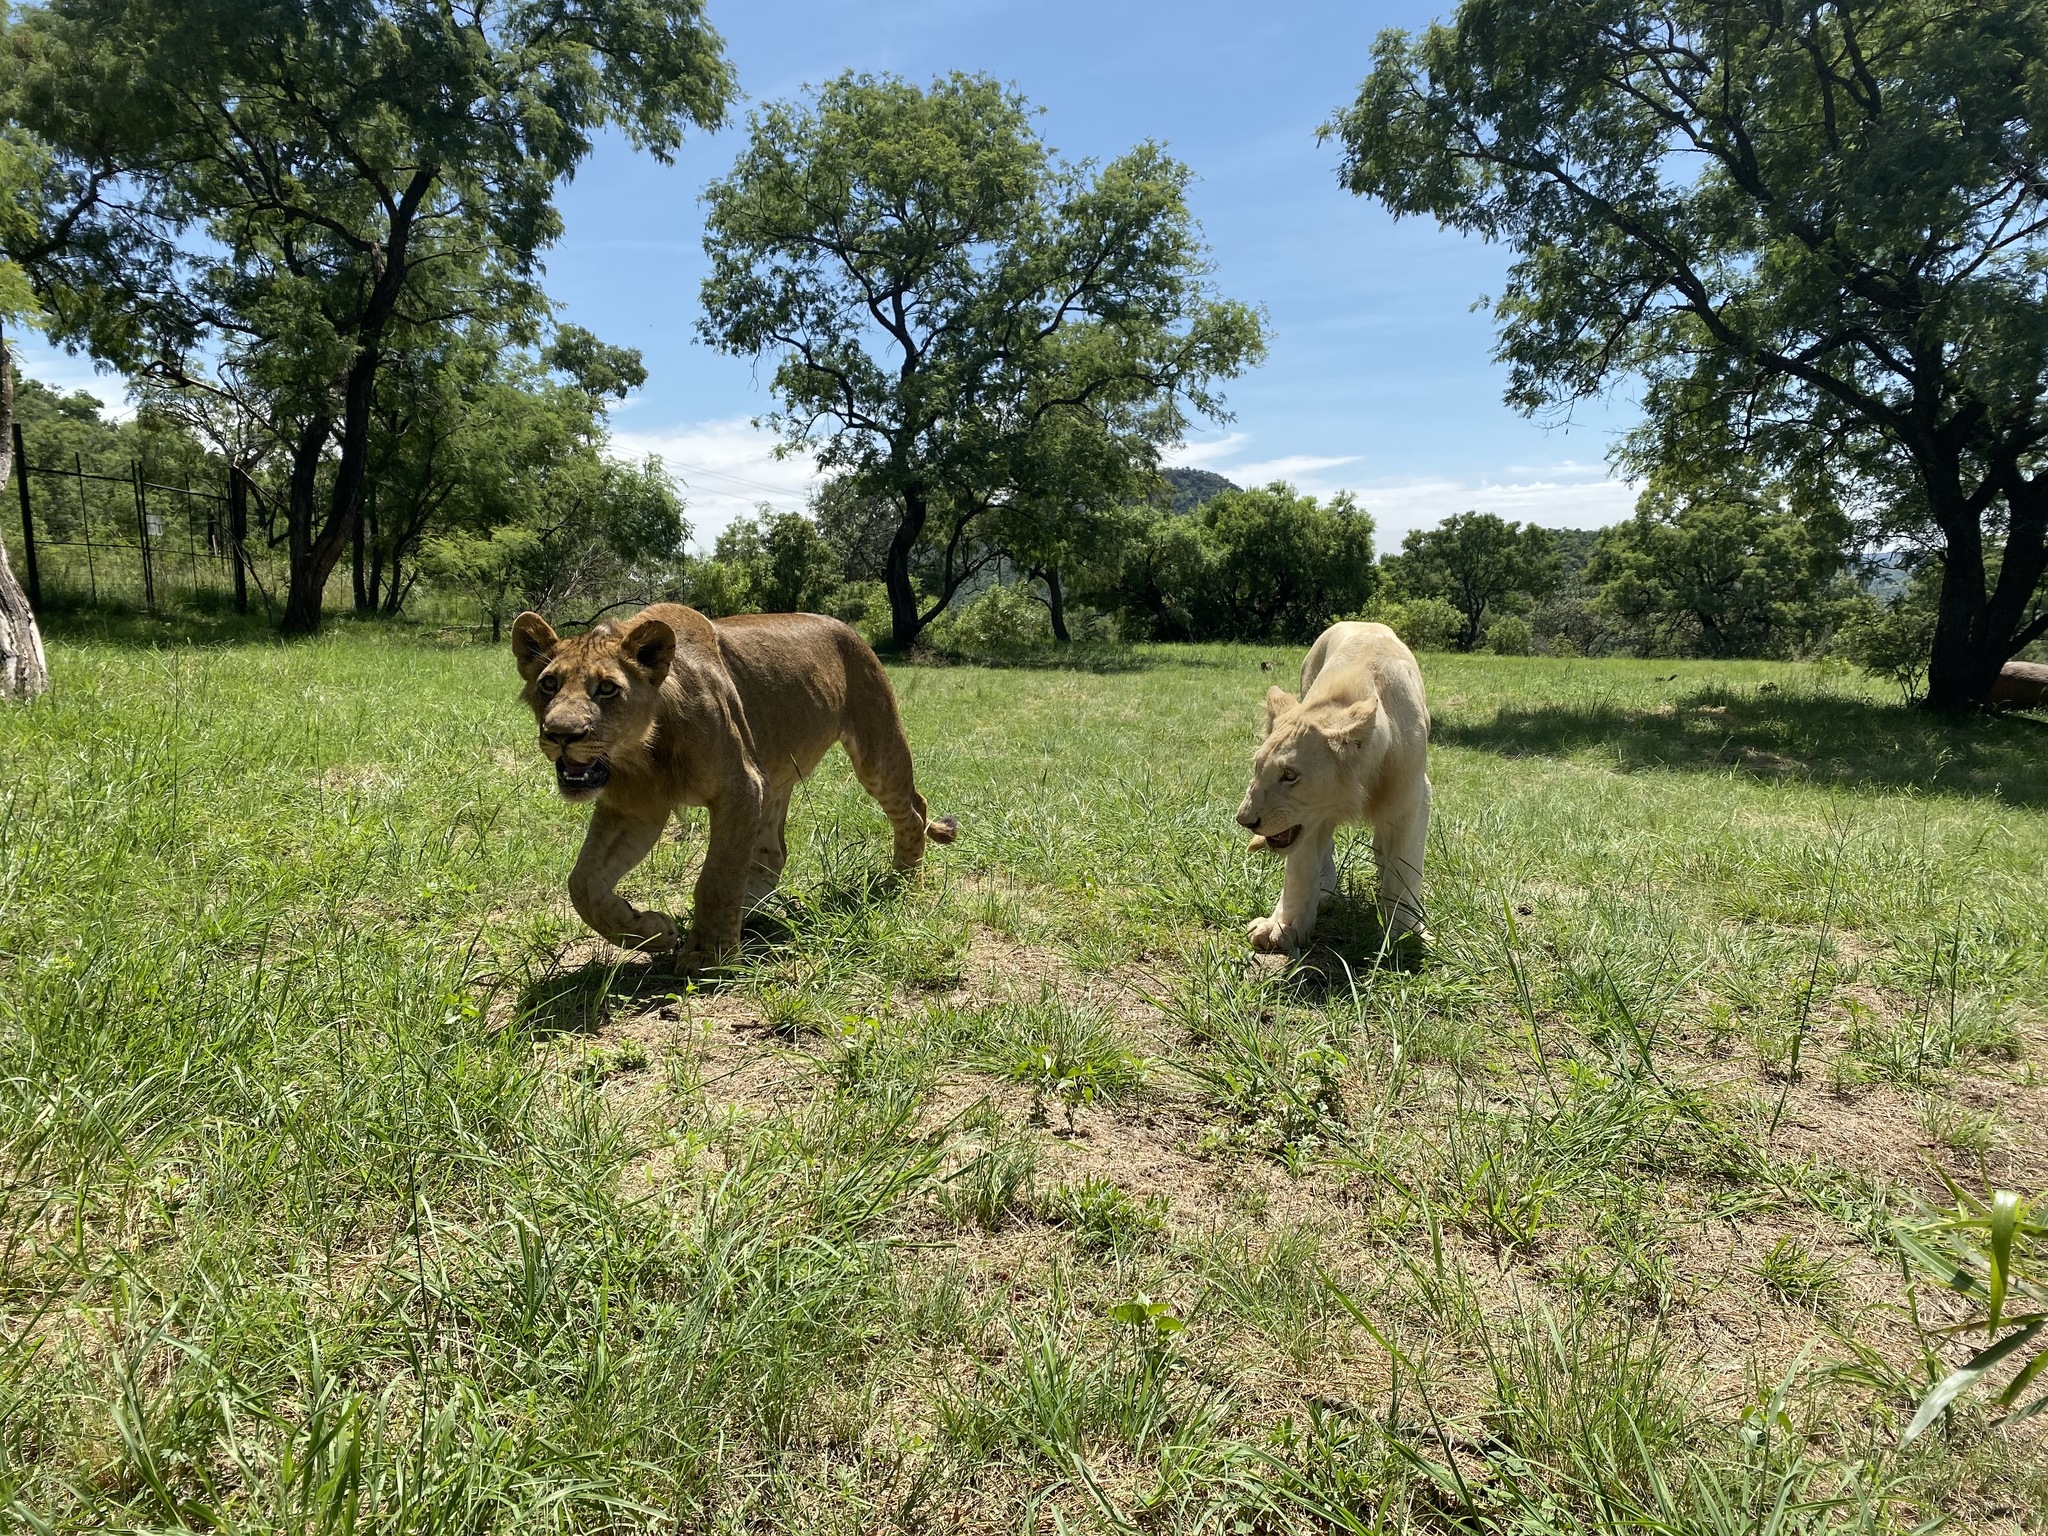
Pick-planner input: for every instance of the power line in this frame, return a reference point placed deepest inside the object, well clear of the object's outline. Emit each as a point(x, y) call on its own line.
point(739, 480)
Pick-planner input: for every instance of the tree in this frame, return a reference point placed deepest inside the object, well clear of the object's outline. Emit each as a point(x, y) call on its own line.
point(1815, 231)
point(779, 564)
point(938, 292)
point(1480, 565)
point(24, 670)
point(265, 200)
point(1261, 564)
point(458, 430)
point(1727, 571)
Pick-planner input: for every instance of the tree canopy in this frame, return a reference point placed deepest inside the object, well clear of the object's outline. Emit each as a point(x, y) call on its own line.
point(951, 309)
point(1814, 231)
point(1480, 564)
point(266, 202)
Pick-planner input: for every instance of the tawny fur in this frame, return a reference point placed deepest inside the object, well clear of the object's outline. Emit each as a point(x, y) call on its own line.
point(1353, 748)
point(671, 709)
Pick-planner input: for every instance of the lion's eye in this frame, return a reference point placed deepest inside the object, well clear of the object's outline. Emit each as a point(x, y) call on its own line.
point(1288, 775)
point(550, 684)
point(607, 689)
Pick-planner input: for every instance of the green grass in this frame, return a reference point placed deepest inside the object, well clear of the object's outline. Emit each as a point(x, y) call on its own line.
point(348, 1184)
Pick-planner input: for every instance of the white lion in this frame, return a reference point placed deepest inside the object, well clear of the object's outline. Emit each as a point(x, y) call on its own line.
point(1354, 747)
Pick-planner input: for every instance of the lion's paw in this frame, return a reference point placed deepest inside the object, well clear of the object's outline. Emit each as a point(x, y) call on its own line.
point(651, 933)
point(1272, 936)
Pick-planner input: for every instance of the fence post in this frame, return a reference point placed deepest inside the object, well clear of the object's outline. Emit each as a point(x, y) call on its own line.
point(238, 530)
point(142, 533)
point(28, 522)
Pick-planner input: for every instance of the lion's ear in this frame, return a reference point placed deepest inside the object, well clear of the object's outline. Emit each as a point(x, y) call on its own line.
point(1278, 702)
point(1353, 724)
point(533, 644)
point(649, 646)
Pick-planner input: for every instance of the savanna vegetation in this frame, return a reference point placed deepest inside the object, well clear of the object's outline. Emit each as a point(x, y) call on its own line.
point(1686, 1180)
point(352, 1185)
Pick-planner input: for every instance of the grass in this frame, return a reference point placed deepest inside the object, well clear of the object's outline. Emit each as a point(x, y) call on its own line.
point(348, 1184)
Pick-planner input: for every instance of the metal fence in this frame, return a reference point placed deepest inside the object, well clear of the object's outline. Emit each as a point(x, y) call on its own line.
point(125, 539)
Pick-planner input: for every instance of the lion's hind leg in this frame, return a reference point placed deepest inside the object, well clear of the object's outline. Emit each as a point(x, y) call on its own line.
point(874, 740)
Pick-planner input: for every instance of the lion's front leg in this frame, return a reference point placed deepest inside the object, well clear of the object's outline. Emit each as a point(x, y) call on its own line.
point(722, 883)
point(1294, 917)
point(613, 847)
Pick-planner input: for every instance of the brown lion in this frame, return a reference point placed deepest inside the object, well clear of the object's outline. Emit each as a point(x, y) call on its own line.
point(672, 709)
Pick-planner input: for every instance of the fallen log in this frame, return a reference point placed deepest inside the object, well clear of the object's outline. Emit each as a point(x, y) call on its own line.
point(2024, 683)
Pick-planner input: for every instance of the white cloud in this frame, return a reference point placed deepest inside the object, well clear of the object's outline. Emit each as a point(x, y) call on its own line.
point(1555, 497)
point(727, 469)
point(1567, 494)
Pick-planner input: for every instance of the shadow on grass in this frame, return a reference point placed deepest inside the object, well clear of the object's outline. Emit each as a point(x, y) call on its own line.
point(1350, 940)
point(584, 999)
point(1820, 739)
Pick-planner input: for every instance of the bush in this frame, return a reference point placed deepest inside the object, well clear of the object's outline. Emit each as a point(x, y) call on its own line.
point(1001, 621)
point(864, 605)
point(1891, 640)
point(1508, 635)
point(1423, 623)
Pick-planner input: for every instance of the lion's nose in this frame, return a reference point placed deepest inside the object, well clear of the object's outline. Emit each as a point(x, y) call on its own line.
point(1246, 819)
point(563, 735)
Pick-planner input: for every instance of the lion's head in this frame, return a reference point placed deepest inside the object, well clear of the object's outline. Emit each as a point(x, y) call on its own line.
point(594, 694)
point(1307, 774)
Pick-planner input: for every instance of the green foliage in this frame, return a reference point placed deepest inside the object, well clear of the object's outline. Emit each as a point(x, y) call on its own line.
point(308, 192)
point(1480, 565)
point(1264, 564)
point(1724, 572)
point(1003, 620)
point(774, 563)
point(1509, 635)
point(1423, 623)
point(1990, 1252)
point(1814, 234)
point(990, 340)
point(1892, 637)
point(1103, 1216)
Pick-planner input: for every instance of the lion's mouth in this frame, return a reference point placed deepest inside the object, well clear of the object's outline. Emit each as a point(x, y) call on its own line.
point(581, 776)
point(1275, 842)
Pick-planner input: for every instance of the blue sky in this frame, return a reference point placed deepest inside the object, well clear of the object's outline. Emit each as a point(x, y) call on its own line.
point(1379, 379)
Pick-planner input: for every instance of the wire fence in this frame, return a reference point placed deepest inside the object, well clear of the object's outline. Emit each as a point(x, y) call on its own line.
point(127, 540)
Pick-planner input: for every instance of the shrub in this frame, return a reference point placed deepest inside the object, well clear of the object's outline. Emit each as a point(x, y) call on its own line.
point(1893, 638)
point(1424, 623)
point(1003, 620)
point(1509, 636)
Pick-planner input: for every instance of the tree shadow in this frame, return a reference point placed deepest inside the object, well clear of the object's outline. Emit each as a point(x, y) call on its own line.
point(1811, 738)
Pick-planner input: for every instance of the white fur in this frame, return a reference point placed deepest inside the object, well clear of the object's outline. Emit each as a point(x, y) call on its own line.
point(1354, 747)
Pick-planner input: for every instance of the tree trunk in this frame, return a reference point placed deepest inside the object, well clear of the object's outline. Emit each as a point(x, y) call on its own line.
point(24, 670)
point(1965, 659)
point(366, 600)
point(1056, 603)
point(904, 626)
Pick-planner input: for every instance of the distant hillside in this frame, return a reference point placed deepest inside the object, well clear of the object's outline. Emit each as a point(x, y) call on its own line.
point(1192, 487)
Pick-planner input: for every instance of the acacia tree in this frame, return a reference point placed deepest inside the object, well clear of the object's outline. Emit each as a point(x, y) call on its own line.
point(1480, 565)
point(921, 266)
point(1815, 230)
point(254, 198)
